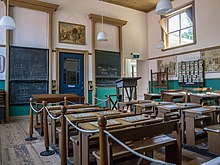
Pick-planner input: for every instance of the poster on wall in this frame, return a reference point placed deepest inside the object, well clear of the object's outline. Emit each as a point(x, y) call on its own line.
point(72, 33)
point(2, 67)
point(211, 60)
point(168, 62)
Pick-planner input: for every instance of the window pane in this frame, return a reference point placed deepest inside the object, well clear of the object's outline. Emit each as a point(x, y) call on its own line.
point(173, 39)
point(173, 23)
point(187, 36)
point(186, 20)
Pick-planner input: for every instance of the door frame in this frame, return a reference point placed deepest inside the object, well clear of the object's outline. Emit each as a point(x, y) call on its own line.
point(86, 68)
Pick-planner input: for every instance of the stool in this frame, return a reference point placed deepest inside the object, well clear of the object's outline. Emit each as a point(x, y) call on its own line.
point(213, 138)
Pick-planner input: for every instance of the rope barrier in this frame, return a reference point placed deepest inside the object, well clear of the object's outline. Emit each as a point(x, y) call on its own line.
point(101, 99)
point(79, 129)
point(36, 111)
point(218, 118)
point(134, 152)
point(53, 117)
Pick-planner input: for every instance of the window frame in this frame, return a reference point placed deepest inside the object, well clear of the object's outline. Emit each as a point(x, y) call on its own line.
point(176, 12)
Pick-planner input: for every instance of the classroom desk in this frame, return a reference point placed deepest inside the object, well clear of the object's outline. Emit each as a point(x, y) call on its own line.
point(170, 96)
point(201, 97)
point(53, 98)
point(84, 137)
point(164, 110)
point(189, 117)
point(152, 96)
point(77, 108)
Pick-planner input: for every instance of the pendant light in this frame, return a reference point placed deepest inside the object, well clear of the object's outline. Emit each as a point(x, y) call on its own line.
point(164, 7)
point(102, 36)
point(7, 22)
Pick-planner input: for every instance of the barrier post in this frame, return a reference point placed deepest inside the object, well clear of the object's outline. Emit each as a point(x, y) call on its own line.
point(47, 152)
point(102, 140)
point(31, 138)
point(63, 136)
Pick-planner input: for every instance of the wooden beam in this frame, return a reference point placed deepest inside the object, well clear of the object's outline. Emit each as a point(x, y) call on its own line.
point(106, 20)
point(35, 5)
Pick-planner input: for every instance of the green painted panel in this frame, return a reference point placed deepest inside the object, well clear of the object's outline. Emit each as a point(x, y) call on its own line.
point(19, 110)
point(2, 84)
point(90, 97)
point(173, 84)
point(102, 91)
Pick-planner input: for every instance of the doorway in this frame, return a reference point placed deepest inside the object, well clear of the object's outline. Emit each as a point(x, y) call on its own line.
point(71, 73)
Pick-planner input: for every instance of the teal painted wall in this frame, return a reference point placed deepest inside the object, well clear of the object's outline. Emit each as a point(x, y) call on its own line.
point(2, 84)
point(102, 91)
point(173, 84)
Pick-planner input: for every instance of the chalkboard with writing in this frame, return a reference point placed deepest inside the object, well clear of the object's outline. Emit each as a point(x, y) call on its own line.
point(28, 63)
point(28, 73)
point(108, 67)
point(20, 92)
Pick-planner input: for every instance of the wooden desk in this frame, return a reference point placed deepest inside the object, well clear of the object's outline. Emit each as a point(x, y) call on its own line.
point(163, 110)
point(152, 96)
point(52, 98)
point(170, 96)
point(75, 109)
point(189, 116)
point(49, 98)
point(201, 97)
point(84, 137)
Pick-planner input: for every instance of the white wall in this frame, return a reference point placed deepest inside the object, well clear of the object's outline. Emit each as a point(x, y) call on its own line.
point(32, 27)
point(207, 15)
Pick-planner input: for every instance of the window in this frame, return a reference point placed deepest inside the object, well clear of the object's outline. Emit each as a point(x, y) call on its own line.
point(178, 27)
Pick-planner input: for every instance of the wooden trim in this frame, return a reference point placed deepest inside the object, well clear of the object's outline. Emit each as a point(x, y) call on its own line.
point(7, 11)
point(192, 51)
point(86, 68)
point(50, 43)
point(35, 5)
point(106, 20)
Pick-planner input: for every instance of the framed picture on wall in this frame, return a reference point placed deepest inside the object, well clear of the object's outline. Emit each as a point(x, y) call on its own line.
point(167, 62)
point(70, 33)
point(211, 60)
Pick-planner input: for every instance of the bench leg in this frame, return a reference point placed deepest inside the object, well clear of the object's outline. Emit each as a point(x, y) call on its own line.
point(172, 154)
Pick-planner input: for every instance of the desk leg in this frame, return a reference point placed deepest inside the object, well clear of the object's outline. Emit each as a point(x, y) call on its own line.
point(190, 130)
point(183, 127)
point(85, 149)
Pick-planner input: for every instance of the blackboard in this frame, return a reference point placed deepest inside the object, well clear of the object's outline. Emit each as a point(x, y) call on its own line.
point(108, 67)
point(20, 92)
point(28, 73)
point(28, 63)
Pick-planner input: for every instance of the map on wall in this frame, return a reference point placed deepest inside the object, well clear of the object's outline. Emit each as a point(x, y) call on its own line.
point(168, 62)
point(211, 60)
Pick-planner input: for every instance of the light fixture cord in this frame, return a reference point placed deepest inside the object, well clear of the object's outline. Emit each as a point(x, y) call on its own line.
point(102, 15)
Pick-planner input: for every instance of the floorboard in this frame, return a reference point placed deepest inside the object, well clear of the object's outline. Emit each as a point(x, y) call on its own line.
point(14, 150)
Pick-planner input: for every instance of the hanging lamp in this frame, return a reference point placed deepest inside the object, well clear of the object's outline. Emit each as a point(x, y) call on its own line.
point(164, 7)
point(7, 22)
point(102, 36)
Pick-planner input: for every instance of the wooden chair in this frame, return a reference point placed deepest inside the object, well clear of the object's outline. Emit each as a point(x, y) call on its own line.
point(147, 138)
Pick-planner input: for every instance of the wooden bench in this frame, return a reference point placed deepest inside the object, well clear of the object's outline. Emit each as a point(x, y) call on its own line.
point(213, 138)
point(147, 138)
point(215, 161)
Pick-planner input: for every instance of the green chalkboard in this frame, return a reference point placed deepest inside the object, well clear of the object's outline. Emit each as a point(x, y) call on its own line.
point(108, 67)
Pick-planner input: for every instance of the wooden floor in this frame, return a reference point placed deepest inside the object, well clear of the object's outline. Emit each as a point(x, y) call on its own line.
point(14, 150)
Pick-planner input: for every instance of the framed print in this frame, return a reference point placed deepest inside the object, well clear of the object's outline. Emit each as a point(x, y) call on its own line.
point(167, 62)
point(70, 33)
point(212, 60)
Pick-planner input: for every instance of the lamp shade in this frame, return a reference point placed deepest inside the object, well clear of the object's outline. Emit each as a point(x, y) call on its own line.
point(160, 45)
point(102, 36)
point(164, 7)
point(7, 23)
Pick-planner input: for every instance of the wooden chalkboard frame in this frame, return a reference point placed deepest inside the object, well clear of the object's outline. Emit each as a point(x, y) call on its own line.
point(19, 86)
point(108, 67)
